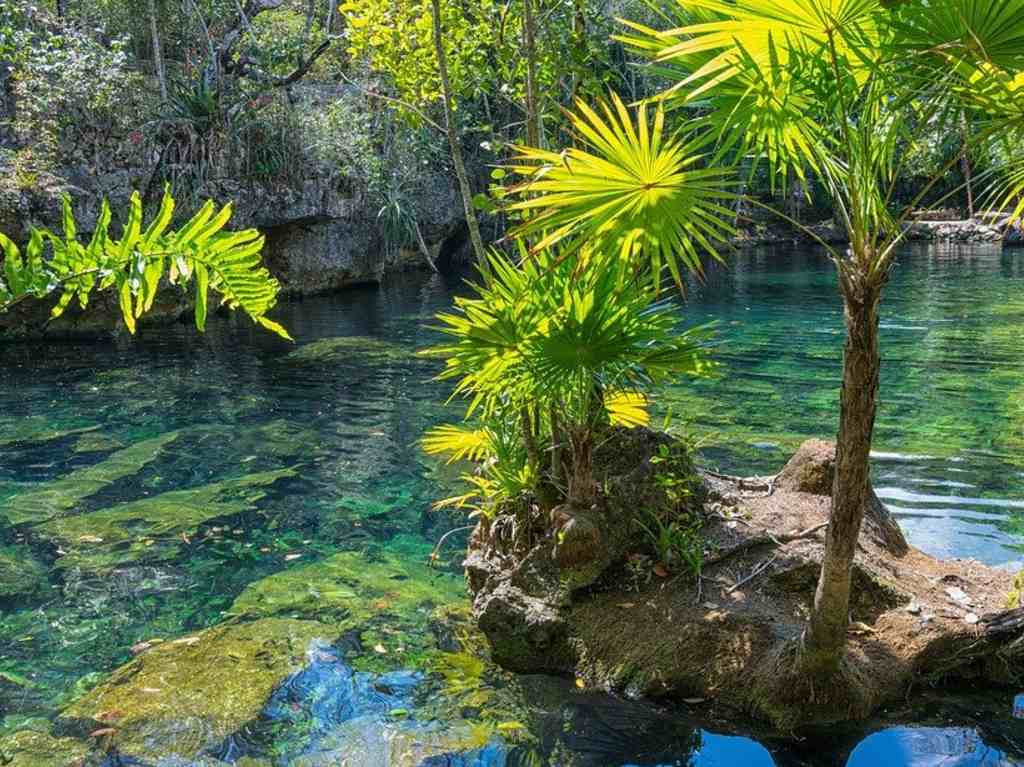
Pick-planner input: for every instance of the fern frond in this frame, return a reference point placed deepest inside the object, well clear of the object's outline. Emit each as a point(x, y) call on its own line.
point(200, 252)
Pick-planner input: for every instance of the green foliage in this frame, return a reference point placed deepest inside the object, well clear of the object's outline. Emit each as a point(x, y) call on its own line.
point(675, 532)
point(72, 91)
point(677, 541)
point(200, 252)
point(1015, 598)
point(397, 39)
point(634, 192)
point(549, 352)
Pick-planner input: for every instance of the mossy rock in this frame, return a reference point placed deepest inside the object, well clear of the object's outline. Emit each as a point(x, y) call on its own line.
point(20, 574)
point(35, 430)
point(344, 348)
point(97, 442)
point(348, 589)
point(152, 529)
point(29, 748)
point(185, 697)
point(53, 499)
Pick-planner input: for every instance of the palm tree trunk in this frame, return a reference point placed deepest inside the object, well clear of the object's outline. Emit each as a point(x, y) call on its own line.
point(965, 165)
point(825, 637)
point(454, 142)
point(158, 52)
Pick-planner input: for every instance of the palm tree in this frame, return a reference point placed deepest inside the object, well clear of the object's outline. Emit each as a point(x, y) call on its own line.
point(548, 354)
point(834, 88)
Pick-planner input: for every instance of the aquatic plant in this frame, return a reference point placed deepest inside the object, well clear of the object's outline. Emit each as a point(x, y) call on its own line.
point(228, 263)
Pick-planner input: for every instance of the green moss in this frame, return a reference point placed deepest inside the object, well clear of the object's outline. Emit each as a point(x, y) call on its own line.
point(197, 690)
point(20, 574)
point(1016, 598)
point(344, 348)
point(53, 499)
point(35, 430)
point(349, 590)
point(95, 442)
point(36, 749)
point(152, 529)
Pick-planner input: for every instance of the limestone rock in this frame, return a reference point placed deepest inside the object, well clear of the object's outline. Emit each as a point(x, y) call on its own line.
point(195, 691)
point(812, 469)
point(37, 749)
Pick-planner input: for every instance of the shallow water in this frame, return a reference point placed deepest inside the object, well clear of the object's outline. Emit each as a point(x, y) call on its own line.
point(258, 458)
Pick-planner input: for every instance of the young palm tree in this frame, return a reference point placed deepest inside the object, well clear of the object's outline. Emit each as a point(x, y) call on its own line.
point(834, 88)
point(548, 354)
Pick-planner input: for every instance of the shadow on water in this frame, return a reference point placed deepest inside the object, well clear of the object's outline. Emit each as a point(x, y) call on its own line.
point(149, 487)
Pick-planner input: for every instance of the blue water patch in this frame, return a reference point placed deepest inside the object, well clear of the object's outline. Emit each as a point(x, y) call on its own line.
point(928, 747)
point(334, 715)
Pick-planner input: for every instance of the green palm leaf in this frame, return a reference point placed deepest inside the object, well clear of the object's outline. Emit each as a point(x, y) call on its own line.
point(630, 191)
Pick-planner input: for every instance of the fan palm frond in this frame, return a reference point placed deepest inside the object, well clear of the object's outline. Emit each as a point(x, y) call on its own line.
point(631, 190)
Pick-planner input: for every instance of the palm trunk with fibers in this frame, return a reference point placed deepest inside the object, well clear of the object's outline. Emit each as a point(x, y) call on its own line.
point(825, 637)
point(453, 140)
point(965, 165)
point(158, 53)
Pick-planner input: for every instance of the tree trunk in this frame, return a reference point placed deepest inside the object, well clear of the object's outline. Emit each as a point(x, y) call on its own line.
point(62, 9)
point(329, 21)
point(533, 125)
point(825, 636)
point(454, 141)
point(158, 53)
point(965, 165)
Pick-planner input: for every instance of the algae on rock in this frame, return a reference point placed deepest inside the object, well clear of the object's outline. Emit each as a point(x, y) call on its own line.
point(37, 749)
point(196, 691)
point(36, 430)
point(20, 574)
point(344, 348)
point(152, 529)
point(60, 496)
point(349, 589)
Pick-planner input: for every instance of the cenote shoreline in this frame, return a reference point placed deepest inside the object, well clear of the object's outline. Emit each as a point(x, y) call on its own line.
point(315, 524)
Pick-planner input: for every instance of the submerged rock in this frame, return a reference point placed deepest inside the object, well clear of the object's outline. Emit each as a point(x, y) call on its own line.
point(151, 529)
point(186, 696)
point(345, 348)
point(53, 499)
point(349, 589)
point(37, 749)
point(335, 715)
point(21, 575)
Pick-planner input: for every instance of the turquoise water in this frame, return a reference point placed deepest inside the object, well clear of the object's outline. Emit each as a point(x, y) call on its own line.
point(253, 459)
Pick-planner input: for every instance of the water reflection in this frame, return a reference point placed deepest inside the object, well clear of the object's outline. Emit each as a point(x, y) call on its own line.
point(928, 747)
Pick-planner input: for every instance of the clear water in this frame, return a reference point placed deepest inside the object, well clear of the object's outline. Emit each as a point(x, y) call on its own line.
point(344, 408)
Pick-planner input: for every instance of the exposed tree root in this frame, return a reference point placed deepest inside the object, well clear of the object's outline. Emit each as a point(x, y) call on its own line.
point(768, 539)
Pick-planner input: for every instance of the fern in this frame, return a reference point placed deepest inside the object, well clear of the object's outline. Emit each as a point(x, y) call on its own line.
point(198, 253)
